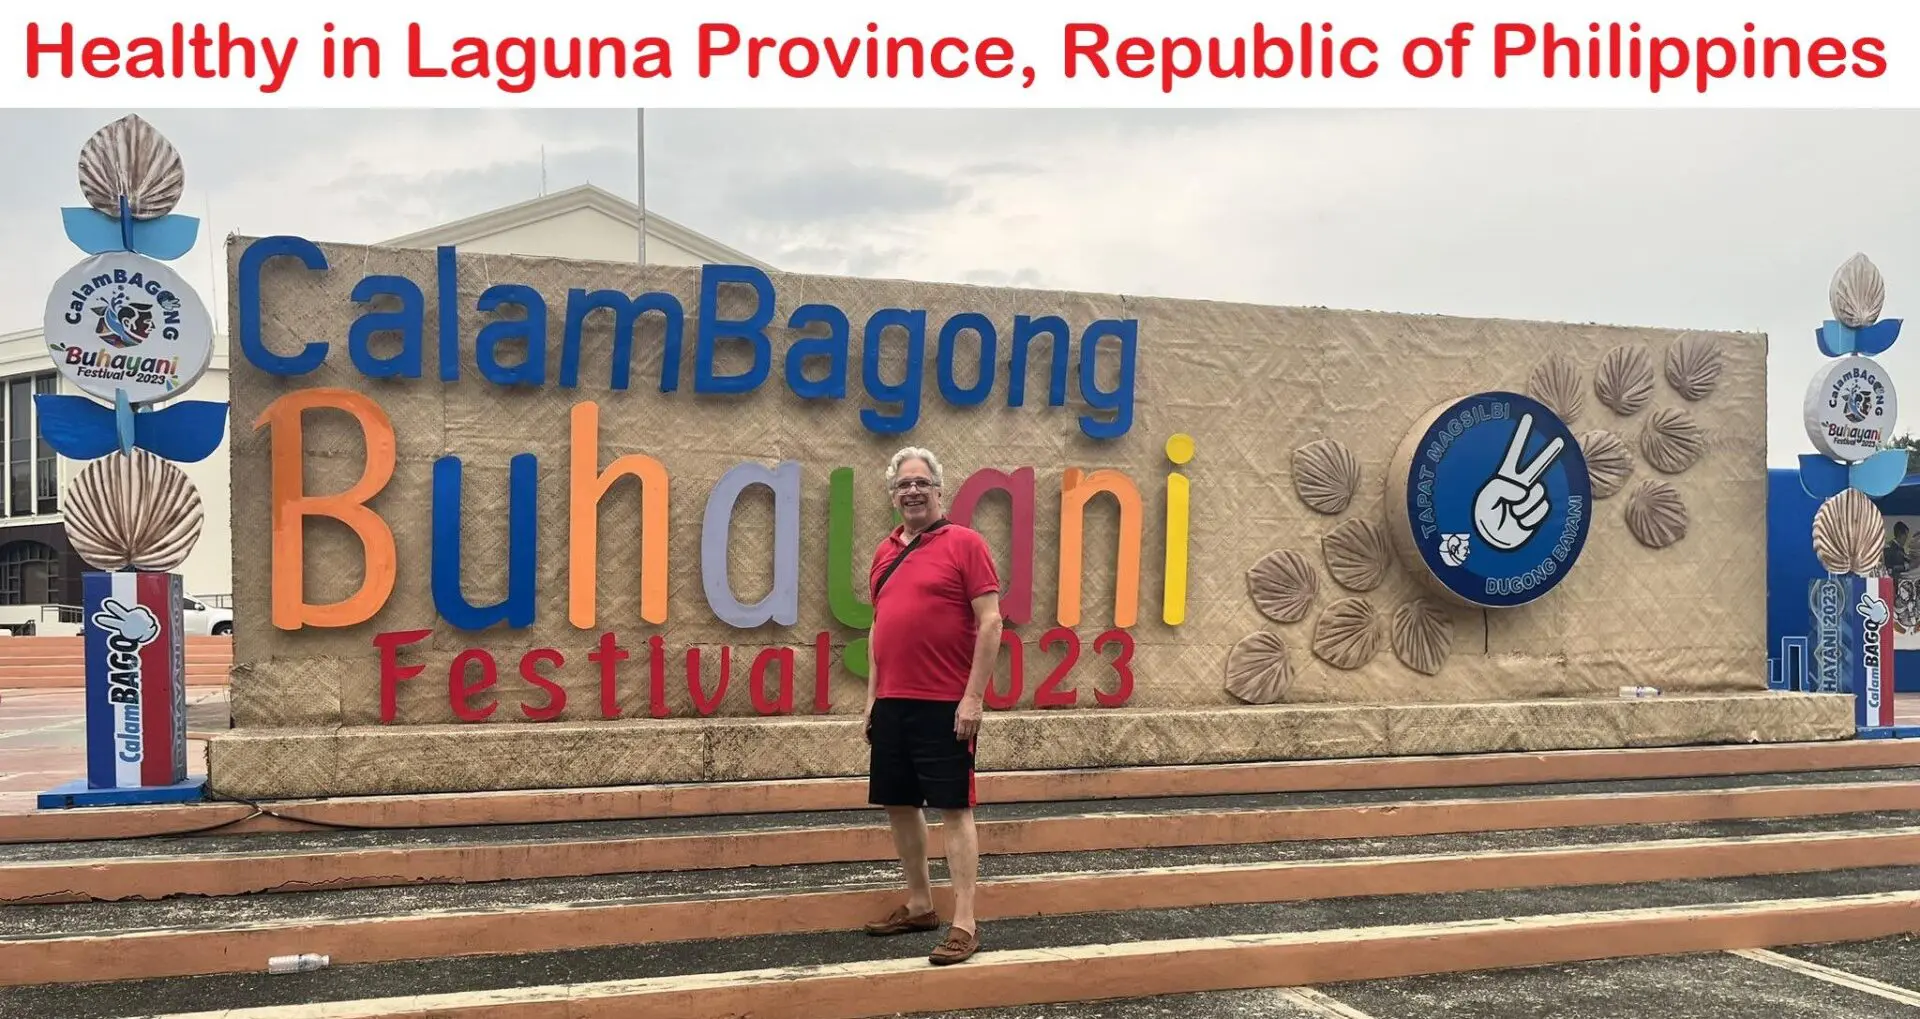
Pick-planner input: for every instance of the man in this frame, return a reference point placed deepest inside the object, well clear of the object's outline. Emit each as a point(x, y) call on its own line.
point(935, 639)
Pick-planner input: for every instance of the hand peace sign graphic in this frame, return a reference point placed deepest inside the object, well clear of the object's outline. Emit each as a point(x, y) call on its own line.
point(1513, 503)
point(136, 624)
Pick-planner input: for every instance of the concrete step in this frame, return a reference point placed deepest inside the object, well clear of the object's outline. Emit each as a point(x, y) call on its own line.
point(177, 937)
point(1120, 954)
point(57, 663)
point(159, 867)
point(444, 810)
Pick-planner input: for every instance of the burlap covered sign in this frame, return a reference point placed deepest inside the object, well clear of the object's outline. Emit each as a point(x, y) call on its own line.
point(486, 489)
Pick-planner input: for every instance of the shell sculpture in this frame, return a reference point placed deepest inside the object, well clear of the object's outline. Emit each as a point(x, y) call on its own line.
point(1258, 670)
point(1358, 554)
point(138, 512)
point(1656, 515)
point(1672, 440)
point(1556, 383)
point(1849, 533)
point(1422, 635)
point(1858, 292)
point(1624, 380)
point(1609, 462)
point(1348, 634)
point(1283, 585)
point(129, 157)
point(1326, 474)
point(1693, 367)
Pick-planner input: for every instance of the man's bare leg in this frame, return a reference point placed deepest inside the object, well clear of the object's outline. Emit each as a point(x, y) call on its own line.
point(910, 841)
point(963, 864)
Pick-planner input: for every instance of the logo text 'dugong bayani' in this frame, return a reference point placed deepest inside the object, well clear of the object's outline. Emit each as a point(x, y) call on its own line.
point(823, 332)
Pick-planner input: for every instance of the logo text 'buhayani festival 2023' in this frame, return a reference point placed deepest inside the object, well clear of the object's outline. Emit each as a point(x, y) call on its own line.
point(1498, 499)
point(1109, 416)
point(118, 321)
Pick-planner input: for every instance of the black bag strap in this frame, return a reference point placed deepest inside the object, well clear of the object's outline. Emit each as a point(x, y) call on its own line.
point(902, 557)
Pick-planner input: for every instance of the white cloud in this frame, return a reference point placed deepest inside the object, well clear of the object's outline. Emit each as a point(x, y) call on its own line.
point(1723, 220)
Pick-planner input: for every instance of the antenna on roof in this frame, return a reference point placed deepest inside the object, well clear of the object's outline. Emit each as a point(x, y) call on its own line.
point(640, 150)
point(543, 171)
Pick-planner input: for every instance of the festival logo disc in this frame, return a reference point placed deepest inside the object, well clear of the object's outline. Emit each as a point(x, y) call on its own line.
point(1496, 502)
point(121, 321)
point(1850, 406)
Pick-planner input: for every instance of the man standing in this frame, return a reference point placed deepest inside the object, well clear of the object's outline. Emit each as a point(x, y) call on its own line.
point(935, 639)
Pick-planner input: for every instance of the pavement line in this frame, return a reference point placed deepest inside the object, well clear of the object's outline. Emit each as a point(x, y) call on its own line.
point(68, 724)
point(1838, 977)
point(863, 990)
point(1319, 1004)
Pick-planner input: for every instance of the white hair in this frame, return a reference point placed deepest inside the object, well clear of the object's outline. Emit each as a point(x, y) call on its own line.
point(913, 453)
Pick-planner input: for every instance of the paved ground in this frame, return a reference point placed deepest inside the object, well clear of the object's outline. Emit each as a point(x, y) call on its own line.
point(43, 739)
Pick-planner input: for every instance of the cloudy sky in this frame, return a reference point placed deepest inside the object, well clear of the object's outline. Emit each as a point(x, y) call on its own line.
point(1714, 219)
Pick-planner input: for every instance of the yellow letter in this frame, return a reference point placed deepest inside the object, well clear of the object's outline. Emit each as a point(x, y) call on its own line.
point(1173, 607)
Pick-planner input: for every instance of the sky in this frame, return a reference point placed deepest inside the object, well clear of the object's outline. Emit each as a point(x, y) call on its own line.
point(1689, 219)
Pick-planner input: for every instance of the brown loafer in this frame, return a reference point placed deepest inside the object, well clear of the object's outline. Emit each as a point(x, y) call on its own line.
point(959, 947)
point(898, 922)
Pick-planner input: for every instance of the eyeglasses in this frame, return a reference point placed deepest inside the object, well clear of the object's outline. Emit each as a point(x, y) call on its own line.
point(909, 484)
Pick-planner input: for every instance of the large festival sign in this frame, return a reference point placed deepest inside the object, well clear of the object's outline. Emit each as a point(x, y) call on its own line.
point(1850, 411)
point(128, 333)
point(472, 490)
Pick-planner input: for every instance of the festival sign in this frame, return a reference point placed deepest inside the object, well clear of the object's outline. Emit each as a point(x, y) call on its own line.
point(480, 489)
point(124, 329)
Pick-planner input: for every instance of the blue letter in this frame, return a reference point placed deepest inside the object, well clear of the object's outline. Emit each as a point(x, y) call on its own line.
point(1120, 399)
point(949, 338)
point(251, 262)
point(713, 328)
point(782, 604)
point(1025, 330)
point(907, 393)
point(626, 318)
point(408, 321)
point(523, 545)
point(447, 277)
point(533, 328)
point(832, 346)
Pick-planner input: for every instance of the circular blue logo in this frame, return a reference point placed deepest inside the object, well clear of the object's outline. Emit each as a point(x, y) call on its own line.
point(1498, 499)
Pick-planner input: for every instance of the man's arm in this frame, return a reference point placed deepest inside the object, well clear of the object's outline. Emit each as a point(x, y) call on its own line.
point(986, 652)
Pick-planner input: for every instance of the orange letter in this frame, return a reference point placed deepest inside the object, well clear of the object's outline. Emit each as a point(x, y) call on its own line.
point(291, 507)
point(588, 487)
point(1076, 489)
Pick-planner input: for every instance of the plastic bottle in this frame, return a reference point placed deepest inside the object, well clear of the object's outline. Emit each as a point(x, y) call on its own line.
point(298, 963)
point(1639, 691)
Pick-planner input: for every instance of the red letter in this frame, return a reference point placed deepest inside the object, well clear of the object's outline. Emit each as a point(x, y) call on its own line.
point(556, 697)
point(708, 50)
point(413, 56)
point(1077, 49)
point(1502, 49)
point(1868, 52)
point(100, 57)
point(610, 655)
point(391, 671)
point(657, 676)
point(700, 703)
point(35, 48)
point(757, 682)
point(1000, 53)
point(459, 691)
point(1826, 58)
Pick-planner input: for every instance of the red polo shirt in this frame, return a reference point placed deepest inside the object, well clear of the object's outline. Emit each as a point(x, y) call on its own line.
point(923, 624)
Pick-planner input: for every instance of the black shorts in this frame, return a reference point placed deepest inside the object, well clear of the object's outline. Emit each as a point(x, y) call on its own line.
point(916, 760)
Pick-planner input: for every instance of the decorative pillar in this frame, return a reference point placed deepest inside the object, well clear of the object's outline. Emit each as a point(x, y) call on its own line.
point(131, 336)
point(1849, 412)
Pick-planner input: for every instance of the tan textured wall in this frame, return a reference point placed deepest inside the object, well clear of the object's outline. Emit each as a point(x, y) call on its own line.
point(1249, 383)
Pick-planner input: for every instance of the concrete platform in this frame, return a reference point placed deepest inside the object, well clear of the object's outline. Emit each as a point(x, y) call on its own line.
point(255, 764)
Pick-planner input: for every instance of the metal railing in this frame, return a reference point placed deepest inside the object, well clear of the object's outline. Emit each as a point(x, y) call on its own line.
point(61, 613)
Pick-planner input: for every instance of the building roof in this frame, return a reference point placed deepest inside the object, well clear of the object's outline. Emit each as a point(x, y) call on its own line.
point(559, 203)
